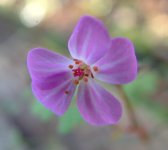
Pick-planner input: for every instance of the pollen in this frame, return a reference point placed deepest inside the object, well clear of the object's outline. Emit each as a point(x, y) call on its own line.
point(95, 68)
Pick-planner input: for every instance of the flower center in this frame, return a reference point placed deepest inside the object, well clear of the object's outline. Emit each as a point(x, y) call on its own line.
point(78, 72)
point(82, 71)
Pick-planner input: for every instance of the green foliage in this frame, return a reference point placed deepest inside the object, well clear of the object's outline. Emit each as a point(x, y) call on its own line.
point(140, 92)
point(142, 41)
point(40, 111)
point(143, 86)
point(66, 122)
point(55, 41)
point(70, 120)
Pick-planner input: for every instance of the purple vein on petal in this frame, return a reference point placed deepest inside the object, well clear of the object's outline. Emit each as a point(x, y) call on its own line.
point(89, 41)
point(97, 106)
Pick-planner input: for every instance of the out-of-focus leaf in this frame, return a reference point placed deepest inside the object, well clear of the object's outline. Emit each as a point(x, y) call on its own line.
point(69, 120)
point(40, 111)
point(142, 87)
point(140, 92)
point(143, 44)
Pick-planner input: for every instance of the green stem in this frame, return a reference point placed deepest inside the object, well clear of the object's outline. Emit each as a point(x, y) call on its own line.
point(142, 133)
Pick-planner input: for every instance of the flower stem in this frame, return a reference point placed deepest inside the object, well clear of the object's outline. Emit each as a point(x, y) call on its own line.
point(135, 126)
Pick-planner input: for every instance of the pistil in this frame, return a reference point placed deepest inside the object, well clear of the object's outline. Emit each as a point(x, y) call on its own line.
point(81, 71)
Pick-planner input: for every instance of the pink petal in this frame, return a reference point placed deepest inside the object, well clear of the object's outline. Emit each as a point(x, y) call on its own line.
point(97, 106)
point(89, 41)
point(51, 79)
point(56, 99)
point(43, 63)
point(119, 65)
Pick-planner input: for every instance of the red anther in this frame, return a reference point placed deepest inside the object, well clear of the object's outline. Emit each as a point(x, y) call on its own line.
point(75, 59)
point(86, 75)
point(85, 79)
point(95, 68)
point(76, 82)
point(66, 92)
point(77, 62)
point(70, 66)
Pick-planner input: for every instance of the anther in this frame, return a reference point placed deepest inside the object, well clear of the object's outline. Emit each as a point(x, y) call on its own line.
point(66, 92)
point(75, 59)
point(95, 68)
point(76, 82)
point(70, 66)
point(78, 62)
point(85, 80)
point(86, 75)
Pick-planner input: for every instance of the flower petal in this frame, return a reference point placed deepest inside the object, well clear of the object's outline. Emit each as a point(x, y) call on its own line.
point(89, 41)
point(98, 106)
point(57, 98)
point(119, 65)
point(51, 79)
point(43, 63)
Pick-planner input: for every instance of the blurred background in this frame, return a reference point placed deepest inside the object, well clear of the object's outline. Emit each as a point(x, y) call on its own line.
point(26, 125)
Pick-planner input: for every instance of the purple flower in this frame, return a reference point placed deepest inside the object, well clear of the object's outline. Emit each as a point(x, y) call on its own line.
point(95, 56)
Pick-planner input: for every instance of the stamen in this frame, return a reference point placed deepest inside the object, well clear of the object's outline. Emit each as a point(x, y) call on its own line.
point(70, 66)
point(82, 71)
point(95, 68)
point(85, 79)
point(77, 62)
point(76, 82)
point(75, 59)
point(66, 92)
